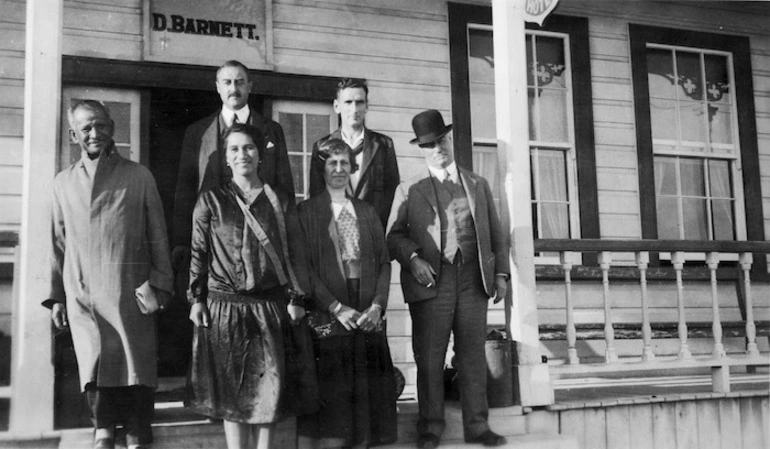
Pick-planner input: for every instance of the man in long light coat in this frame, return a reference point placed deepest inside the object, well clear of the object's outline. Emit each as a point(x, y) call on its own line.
point(109, 238)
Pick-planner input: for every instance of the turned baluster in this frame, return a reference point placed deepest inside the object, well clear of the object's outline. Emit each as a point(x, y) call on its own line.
point(642, 262)
point(677, 259)
point(567, 258)
point(610, 355)
point(712, 261)
point(746, 259)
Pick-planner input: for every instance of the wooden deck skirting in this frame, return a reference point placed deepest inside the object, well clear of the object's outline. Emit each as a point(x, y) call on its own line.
point(633, 331)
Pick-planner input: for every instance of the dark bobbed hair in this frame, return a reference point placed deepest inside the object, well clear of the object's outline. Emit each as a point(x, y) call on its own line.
point(352, 83)
point(333, 147)
point(245, 128)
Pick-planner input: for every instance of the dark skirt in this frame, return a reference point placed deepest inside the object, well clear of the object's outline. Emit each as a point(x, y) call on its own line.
point(357, 392)
point(244, 366)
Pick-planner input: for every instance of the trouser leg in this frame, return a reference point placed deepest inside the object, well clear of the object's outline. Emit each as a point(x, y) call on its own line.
point(431, 325)
point(469, 329)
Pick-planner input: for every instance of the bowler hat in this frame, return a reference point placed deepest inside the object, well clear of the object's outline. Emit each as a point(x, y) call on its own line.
point(429, 127)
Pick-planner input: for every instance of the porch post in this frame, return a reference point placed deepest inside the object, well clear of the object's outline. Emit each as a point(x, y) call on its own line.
point(32, 377)
point(531, 376)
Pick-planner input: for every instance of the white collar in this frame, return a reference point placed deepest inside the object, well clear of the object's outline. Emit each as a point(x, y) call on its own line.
point(353, 143)
point(242, 113)
point(441, 173)
point(337, 208)
point(90, 165)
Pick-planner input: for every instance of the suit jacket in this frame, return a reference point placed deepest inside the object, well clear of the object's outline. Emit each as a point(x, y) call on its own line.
point(415, 227)
point(325, 261)
point(202, 166)
point(379, 172)
point(109, 237)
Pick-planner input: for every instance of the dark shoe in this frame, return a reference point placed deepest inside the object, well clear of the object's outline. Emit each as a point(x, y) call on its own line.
point(104, 443)
point(488, 438)
point(427, 441)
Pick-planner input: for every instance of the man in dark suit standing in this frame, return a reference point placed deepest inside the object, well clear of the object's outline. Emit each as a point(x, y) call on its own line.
point(445, 233)
point(377, 177)
point(202, 165)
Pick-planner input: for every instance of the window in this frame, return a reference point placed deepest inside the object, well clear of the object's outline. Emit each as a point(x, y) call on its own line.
point(563, 182)
point(303, 124)
point(696, 156)
point(696, 136)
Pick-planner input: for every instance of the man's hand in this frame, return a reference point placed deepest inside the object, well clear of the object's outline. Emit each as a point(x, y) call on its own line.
point(348, 317)
point(163, 297)
point(370, 319)
point(199, 315)
point(59, 316)
point(296, 313)
point(501, 288)
point(422, 271)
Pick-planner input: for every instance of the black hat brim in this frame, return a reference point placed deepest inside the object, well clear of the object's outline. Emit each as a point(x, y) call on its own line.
point(432, 137)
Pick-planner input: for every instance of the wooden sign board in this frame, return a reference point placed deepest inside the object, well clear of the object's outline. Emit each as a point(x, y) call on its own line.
point(209, 33)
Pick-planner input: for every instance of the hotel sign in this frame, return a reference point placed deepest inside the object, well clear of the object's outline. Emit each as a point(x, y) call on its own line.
point(537, 10)
point(209, 33)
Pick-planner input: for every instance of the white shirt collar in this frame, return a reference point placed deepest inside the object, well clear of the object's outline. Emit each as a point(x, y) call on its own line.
point(354, 142)
point(337, 208)
point(441, 173)
point(90, 165)
point(242, 113)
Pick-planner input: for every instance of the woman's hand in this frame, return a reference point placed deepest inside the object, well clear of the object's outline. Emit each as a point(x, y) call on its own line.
point(371, 318)
point(296, 313)
point(199, 315)
point(348, 317)
point(59, 316)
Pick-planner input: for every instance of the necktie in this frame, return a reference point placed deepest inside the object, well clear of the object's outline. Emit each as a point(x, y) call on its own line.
point(235, 119)
point(349, 236)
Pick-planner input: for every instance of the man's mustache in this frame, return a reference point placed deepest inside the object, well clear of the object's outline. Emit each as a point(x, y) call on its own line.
point(234, 94)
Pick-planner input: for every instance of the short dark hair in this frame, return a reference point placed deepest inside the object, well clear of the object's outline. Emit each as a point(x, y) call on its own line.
point(244, 128)
point(333, 147)
point(234, 63)
point(89, 104)
point(353, 83)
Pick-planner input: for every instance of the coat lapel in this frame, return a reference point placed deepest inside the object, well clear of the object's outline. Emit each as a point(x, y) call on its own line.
point(209, 145)
point(470, 185)
point(370, 150)
point(428, 191)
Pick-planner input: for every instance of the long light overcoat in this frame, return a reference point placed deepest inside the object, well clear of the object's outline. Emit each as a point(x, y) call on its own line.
point(109, 237)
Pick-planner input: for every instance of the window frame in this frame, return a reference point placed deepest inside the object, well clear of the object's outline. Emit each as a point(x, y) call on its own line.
point(576, 28)
point(740, 49)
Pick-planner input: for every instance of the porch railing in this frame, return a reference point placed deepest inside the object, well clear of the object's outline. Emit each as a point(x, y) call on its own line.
point(638, 270)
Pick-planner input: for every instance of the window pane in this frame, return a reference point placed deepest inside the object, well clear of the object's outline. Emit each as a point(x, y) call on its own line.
point(555, 221)
point(533, 113)
point(124, 150)
point(665, 176)
point(317, 127)
point(668, 218)
point(663, 115)
point(722, 212)
point(553, 115)
point(693, 183)
point(536, 222)
point(719, 179)
point(695, 221)
point(717, 79)
point(550, 62)
point(121, 115)
point(297, 172)
point(292, 129)
point(721, 124)
point(481, 61)
point(530, 62)
point(553, 176)
point(660, 74)
point(688, 70)
point(483, 125)
point(692, 122)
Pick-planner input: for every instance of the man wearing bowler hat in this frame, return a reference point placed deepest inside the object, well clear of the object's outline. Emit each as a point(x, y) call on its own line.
point(445, 233)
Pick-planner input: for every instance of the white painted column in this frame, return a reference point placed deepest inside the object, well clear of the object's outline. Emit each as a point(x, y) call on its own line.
point(531, 376)
point(32, 374)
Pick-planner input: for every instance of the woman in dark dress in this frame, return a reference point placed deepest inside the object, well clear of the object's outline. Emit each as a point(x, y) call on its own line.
point(350, 275)
point(240, 305)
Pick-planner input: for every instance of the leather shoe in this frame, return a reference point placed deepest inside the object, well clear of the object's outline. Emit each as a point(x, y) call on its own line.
point(488, 438)
point(427, 441)
point(104, 443)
